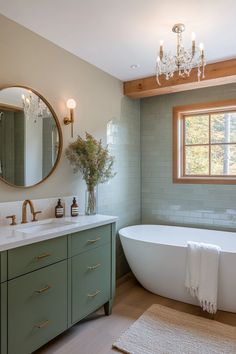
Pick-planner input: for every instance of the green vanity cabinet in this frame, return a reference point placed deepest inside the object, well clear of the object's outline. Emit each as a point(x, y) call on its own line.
point(26, 259)
point(3, 266)
point(48, 286)
point(86, 240)
point(92, 271)
point(3, 326)
point(90, 284)
point(37, 308)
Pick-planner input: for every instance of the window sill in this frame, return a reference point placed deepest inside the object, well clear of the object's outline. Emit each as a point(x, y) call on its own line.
point(204, 180)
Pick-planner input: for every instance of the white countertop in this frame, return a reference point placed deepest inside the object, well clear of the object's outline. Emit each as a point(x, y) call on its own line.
point(14, 236)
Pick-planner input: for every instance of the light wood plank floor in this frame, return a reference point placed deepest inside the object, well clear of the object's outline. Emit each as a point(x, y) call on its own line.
point(96, 334)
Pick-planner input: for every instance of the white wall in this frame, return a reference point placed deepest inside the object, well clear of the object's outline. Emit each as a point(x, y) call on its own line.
point(28, 59)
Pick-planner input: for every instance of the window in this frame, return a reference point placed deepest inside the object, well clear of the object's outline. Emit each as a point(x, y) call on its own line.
point(204, 143)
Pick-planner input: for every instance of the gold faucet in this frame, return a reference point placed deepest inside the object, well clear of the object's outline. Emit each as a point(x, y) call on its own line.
point(24, 211)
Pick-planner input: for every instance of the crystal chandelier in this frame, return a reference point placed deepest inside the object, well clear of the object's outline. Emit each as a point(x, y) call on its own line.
point(183, 61)
point(34, 107)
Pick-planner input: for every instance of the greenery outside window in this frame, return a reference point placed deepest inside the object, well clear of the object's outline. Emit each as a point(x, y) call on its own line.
point(204, 143)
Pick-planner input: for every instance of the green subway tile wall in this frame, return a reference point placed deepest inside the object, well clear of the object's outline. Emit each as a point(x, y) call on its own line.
point(163, 201)
point(121, 195)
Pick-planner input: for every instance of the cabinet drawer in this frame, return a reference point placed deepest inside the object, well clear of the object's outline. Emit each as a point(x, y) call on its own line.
point(37, 308)
point(91, 281)
point(25, 259)
point(89, 239)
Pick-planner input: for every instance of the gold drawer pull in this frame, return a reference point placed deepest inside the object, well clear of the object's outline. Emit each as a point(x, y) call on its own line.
point(93, 241)
point(44, 255)
point(40, 291)
point(42, 324)
point(94, 267)
point(95, 294)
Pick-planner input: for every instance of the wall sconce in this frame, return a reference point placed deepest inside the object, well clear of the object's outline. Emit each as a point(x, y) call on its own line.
point(71, 104)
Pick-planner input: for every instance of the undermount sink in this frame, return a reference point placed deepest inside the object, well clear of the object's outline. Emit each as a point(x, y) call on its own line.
point(44, 226)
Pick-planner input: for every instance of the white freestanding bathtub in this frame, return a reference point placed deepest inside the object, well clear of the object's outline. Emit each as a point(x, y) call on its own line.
point(157, 257)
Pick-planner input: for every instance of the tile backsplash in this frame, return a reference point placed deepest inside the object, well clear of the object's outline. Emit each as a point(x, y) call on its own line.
point(214, 218)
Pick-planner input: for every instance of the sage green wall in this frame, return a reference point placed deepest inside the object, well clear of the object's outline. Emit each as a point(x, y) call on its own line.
point(28, 59)
point(211, 206)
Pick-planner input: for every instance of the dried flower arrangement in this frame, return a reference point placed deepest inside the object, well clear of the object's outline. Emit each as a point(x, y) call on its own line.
point(94, 162)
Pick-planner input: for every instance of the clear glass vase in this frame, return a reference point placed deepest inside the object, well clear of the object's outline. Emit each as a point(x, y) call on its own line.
point(91, 201)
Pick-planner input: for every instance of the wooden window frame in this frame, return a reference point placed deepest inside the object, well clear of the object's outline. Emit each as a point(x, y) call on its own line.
point(178, 138)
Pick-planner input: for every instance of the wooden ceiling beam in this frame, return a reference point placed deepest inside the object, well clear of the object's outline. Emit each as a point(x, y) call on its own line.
point(220, 73)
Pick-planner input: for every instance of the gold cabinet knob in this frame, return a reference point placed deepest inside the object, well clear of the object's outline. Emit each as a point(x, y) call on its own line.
point(43, 290)
point(42, 324)
point(94, 294)
point(42, 256)
point(94, 241)
point(94, 267)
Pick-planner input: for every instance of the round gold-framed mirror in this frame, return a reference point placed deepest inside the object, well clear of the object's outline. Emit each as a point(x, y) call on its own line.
point(30, 137)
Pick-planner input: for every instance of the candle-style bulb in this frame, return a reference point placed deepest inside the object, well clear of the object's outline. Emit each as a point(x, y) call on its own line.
point(161, 49)
point(193, 36)
point(201, 46)
point(193, 43)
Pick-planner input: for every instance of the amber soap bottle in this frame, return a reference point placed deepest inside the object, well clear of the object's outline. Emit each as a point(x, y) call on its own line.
point(59, 210)
point(74, 211)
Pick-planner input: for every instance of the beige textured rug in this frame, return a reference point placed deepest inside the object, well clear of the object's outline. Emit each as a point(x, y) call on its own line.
point(161, 330)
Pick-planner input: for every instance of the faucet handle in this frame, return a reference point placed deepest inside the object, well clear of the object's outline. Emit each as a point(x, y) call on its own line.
point(13, 219)
point(34, 215)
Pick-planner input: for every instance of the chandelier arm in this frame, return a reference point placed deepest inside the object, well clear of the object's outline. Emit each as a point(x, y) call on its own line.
point(183, 61)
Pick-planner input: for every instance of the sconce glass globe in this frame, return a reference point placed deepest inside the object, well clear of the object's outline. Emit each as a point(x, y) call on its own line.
point(71, 104)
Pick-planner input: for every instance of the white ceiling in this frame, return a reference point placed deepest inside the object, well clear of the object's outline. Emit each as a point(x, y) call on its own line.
point(114, 34)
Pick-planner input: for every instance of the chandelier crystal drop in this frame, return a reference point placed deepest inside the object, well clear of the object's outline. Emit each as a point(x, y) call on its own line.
point(183, 61)
point(34, 107)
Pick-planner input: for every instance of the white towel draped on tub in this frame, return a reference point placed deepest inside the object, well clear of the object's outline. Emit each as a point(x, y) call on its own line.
point(202, 273)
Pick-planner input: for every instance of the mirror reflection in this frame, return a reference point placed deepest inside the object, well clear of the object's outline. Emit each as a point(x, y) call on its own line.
point(29, 137)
